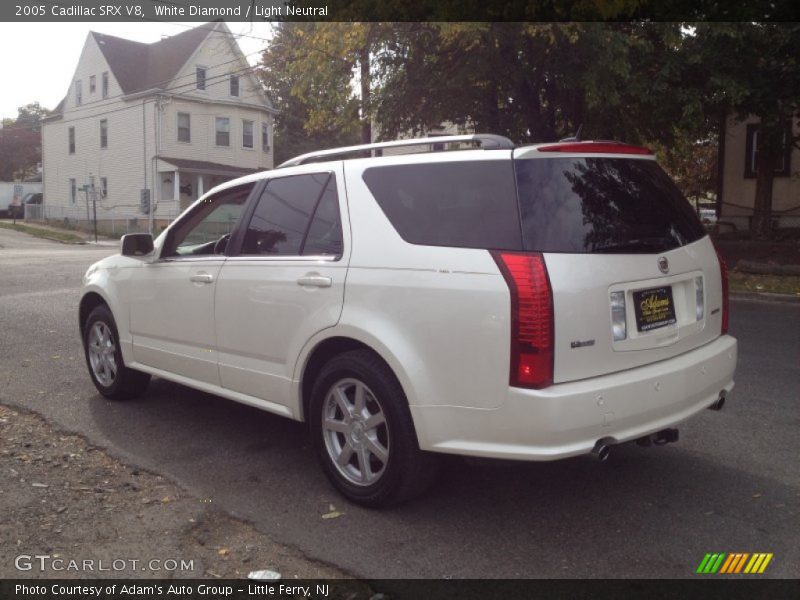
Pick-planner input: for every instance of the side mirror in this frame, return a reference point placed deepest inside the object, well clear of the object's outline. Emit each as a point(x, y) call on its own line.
point(137, 244)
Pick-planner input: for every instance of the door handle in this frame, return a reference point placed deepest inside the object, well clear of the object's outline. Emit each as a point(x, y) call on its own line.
point(315, 281)
point(201, 278)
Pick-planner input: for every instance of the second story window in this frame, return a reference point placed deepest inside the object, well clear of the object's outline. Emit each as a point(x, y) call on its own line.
point(201, 78)
point(92, 84)
point(104, 133)
point(104, 84)
point(71, 134)
point(223, 131)
point(247, 134)
point(265, 137)
point(184, 127)
point(78, 92)
point(234, 85)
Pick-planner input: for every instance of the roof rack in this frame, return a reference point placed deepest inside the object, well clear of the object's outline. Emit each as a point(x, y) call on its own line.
point(488, 141)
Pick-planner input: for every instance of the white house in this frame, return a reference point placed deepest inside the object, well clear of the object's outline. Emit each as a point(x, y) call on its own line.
point(168, 120)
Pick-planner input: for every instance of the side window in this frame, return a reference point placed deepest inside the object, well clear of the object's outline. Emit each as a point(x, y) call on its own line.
point(207, 228)
point(296, 215)
point(325, 233)
point(462, 204)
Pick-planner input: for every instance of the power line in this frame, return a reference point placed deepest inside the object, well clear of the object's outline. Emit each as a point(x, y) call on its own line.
point(110, 99)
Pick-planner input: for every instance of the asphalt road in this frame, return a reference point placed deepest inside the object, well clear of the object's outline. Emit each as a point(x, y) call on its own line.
point(731, 484)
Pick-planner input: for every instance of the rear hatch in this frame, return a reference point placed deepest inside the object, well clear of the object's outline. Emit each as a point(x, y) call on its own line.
point(634, 277)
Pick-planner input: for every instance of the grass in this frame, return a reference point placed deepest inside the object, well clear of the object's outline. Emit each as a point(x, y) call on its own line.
point(61, 236)
point(776, 284)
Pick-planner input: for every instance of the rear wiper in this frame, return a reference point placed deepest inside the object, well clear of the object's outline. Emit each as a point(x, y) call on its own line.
point(656, 244)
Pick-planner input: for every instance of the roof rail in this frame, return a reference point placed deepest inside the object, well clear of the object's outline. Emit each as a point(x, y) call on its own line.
point(488, 141)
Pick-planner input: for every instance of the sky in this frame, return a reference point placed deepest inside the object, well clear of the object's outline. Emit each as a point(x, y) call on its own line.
point(40, 58)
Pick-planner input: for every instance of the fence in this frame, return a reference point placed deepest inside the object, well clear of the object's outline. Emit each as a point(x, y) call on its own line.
point(112, 224)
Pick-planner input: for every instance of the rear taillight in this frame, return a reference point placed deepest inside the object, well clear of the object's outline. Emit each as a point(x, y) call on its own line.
point(531, 318)
point(723, 275)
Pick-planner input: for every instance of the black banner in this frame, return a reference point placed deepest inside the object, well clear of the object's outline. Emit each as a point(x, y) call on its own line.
point(241, 589)
point(397, 10)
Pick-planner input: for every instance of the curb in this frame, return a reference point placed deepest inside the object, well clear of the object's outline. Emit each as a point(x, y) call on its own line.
point(44, 237)
point(766, 297)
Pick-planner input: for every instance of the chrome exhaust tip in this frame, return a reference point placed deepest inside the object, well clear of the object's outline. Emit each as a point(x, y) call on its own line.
point(601, 451)
point(719, 402)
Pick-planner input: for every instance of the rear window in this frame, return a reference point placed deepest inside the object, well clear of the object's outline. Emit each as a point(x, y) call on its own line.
point(470, 204)
point(593, 205)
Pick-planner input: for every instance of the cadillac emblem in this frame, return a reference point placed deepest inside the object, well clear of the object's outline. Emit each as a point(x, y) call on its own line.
point(663, 265)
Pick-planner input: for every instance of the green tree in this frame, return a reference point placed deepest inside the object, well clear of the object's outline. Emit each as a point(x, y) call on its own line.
point(534, 82)
point(751, 69)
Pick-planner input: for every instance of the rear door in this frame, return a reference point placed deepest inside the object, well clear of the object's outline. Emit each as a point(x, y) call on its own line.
point(635, 279)
point(283, 281)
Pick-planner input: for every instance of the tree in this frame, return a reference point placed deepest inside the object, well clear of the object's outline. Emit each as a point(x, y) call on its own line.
point(20, 143)
point(534, 82)
point(316, 108)
point(752, 69)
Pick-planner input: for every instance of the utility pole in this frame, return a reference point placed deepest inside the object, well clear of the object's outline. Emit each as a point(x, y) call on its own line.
point(94, 206)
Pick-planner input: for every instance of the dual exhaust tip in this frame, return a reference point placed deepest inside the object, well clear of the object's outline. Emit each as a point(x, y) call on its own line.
point(602, 448)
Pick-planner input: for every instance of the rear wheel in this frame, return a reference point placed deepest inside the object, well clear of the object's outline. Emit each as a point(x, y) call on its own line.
point(104, 358)
point(363, 433)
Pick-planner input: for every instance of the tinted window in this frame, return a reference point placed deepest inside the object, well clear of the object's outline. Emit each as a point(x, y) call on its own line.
point(325, 232)
point(602, 205)
point(280, 221)
point(462, 204)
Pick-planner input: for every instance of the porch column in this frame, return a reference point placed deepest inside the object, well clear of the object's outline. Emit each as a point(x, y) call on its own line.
point(199, 185)
point(176, 182)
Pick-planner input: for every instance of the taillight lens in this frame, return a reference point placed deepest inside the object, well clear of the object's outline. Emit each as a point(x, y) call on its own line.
point(723, 275)
point(531, 318)
point(619, 319)
point(699, 299)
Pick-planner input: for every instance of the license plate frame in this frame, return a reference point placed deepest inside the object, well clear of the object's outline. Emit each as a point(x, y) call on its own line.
point(654, 308)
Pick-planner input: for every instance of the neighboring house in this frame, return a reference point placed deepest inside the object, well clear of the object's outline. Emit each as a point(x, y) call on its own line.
point(739, 177)
point(175, 117)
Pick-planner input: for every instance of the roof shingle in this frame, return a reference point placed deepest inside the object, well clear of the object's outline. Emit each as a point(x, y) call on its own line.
point(138, 66)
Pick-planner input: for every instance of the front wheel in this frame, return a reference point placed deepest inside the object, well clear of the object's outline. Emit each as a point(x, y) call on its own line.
point(363, 433)
point(104, 358)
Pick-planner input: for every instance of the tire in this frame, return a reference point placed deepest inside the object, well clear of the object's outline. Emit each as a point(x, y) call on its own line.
point(367, 422)
point(104, 358)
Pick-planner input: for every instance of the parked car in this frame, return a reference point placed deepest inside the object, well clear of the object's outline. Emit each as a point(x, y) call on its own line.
point(530, 303)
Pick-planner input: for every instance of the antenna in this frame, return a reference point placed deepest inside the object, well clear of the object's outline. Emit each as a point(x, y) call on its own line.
point(574, 138)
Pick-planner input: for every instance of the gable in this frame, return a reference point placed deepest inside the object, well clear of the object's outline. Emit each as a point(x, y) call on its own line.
point(138, 66)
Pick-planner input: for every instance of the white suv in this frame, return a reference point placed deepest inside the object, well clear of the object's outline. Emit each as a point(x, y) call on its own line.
point(530, 303)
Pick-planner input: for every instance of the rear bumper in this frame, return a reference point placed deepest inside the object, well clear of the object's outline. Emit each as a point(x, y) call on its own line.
point(567, 419)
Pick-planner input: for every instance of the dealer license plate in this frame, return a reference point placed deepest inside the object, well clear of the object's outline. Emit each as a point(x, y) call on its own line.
point(654, 308)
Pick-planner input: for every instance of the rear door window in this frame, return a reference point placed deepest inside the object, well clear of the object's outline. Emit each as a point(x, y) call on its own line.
point(596, 205)
point(465, 204)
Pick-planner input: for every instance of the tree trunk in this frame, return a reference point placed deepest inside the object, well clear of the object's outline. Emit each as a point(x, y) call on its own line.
point(366, 112)
point(768, 154)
